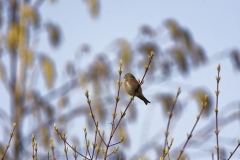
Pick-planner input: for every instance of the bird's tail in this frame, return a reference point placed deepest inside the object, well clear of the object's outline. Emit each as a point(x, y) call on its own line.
point(144, 99)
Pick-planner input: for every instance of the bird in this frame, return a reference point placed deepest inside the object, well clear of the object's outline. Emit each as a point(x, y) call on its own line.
point(131, 85)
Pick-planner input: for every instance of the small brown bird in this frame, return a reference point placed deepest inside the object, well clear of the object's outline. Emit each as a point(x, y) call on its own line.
point(131, 84)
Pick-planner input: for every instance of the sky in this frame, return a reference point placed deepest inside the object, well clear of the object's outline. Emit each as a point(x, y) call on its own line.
point(215, 25)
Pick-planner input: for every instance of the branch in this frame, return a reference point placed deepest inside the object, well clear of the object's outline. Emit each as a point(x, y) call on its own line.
point(75, 153)
point(204, 104)
point(93, 117)
point(117, 142)
point(216, 110)
point(168, 124)
point(33, 144)
point(117, 98)
point(87, 142)
point(95, 142)
point(231, 153)
point(98, 149)
point(141, 82)
point(114, 115)
point(124, 113)
point(65, 147)
point(8, 145)
point(62, 138)
point(52, 148)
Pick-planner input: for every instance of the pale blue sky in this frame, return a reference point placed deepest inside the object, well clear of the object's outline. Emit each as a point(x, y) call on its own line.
point(215, 25)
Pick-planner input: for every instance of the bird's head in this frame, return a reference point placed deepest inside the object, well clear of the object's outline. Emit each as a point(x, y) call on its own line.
point(128, 75)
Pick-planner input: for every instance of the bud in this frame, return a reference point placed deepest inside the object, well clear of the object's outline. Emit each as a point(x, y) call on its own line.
point(218, 67)
point(114, 115)
point(74, 147)
point(89, 102)
point(147, 67)
point(179, 90)
point(197, 116)
point(152, 53)
point(120, 63)
point(166, 133)
point(117, 98)
point(121, 112)
point(120, 71)
point(86, 93)
point(65, 149)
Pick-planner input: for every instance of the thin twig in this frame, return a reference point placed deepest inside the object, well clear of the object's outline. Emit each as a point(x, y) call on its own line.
point(95, 143)
point(52, 148)
point(169, 119)
point(65, 150)
point(8, 145)
point(124, 113)
point(65, 146)
point(33, 144)
point(116, 143)
point(114, 115)
point(93, 116)
point(169, 147)
point(111, 153)
point(117, 98)
point(141, 82)
point(231, 153)
point(75, 153)
point(56, 129)
point(216, 110)
point(204, 104)
point(36, 150)
point(98, 149)
point(87, 143)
